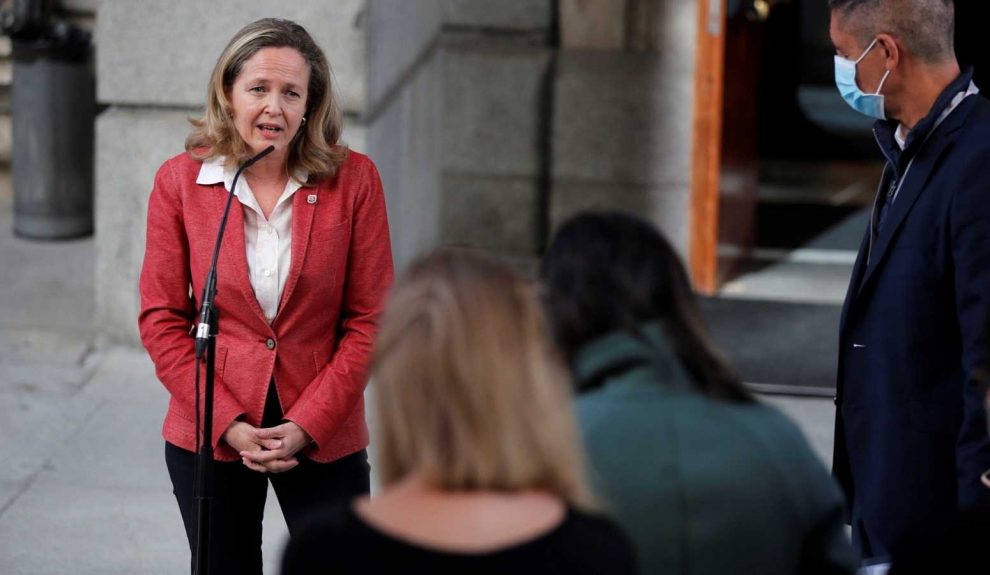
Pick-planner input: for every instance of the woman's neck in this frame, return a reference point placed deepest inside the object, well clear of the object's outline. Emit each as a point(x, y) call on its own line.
point(269, 170)
point(461, 521)
point(267, 179)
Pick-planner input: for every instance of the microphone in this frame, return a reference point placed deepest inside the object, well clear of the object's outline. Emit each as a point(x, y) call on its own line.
point(253, 160)
point(206, 311)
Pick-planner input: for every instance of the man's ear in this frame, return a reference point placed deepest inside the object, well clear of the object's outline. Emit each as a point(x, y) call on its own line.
point(892, 51)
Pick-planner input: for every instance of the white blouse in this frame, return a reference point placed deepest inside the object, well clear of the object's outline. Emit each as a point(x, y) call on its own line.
point(267, 242)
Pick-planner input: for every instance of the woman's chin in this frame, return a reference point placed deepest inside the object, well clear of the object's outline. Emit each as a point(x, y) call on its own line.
point(258, 146)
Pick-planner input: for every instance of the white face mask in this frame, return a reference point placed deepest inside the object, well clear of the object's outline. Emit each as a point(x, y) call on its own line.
point(845, 79)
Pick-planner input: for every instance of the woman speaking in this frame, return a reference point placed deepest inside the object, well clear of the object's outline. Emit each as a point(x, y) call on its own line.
point(302, 273)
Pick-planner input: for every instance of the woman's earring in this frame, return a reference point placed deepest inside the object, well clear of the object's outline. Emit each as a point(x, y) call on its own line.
point(303, 121)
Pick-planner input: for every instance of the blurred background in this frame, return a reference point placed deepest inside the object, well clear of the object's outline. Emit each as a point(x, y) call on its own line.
point(490, 122)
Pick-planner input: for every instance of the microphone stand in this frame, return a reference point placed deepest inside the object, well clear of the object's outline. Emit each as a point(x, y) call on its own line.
point(206, 333)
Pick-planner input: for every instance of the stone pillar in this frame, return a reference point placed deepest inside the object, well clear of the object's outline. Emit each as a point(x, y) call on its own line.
point(622, 111)
point(497, 65)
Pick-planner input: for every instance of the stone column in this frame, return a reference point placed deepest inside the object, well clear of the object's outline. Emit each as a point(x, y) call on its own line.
point(622, 111)
point(497, 66)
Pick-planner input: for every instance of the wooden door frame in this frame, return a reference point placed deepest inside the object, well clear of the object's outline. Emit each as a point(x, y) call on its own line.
point(706, 145)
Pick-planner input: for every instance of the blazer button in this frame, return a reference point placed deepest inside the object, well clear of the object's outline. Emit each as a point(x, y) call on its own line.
point(270, 343)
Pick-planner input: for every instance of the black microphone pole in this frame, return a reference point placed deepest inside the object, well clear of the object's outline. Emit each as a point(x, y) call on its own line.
point(206, 333)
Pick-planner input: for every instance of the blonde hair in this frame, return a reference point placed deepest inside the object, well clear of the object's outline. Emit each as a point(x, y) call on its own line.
point(315, 148)
point(470, 394)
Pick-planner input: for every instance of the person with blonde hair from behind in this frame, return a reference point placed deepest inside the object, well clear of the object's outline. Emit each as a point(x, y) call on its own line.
point(476, 444)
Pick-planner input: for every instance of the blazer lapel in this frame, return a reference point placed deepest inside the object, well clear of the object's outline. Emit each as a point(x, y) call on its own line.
point(855, 281)
point(302, 223)
point(233, 255)
point(917, 177)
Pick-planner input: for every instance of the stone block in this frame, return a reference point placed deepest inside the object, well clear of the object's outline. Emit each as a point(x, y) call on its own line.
point(162, 53)
point(624, 118)
point(666, 206)
point(497, 214)
point(495, 109)
point(622, 135)
point(502, 15)
point(661, 26)
point(404, 141)
point(131, 145)
point(594, 24)
point(371, 45)
point(355, 134)
point(401, 34)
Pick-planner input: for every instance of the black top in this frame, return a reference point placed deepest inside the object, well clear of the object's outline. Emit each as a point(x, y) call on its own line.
point(343, 543)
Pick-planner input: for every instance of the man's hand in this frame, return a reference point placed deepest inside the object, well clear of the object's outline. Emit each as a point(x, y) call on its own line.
point(278, 446)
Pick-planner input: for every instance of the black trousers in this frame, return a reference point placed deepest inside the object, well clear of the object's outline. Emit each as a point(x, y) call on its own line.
point(239, 497)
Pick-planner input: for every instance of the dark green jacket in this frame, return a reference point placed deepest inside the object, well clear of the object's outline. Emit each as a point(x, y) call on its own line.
point(702, 486)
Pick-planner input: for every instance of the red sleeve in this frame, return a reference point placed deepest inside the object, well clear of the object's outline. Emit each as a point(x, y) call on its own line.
point(331, 398)
point(167, 311)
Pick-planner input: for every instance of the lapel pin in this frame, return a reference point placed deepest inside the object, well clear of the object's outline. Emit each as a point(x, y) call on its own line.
point(311, 199)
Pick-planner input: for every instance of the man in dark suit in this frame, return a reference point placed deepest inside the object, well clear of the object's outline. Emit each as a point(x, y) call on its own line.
point(911, 437)
point(958, 546)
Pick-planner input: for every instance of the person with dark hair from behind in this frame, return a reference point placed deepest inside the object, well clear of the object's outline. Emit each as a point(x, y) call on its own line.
point(477, 449)
point(704, 478)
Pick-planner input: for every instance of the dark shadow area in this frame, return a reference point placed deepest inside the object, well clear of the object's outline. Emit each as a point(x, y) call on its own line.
point(972, 17)
point(779, 343)
point(783, 226)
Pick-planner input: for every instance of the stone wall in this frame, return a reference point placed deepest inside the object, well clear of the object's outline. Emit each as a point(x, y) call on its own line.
point(486, 131)
point(494, 154)
point(622, 115)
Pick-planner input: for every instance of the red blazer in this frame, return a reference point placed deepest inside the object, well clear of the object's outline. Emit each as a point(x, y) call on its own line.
point(341, 269)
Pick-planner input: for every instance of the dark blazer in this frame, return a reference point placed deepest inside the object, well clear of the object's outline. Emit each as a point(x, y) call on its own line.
point(702, 486)
point(911, 439)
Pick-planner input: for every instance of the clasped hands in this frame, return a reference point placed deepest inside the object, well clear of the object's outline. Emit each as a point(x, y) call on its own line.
point(267, 449)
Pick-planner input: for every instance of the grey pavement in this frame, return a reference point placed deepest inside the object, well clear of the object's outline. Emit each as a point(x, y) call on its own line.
point(84, 487)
